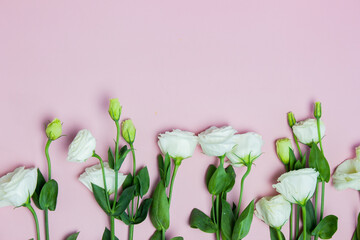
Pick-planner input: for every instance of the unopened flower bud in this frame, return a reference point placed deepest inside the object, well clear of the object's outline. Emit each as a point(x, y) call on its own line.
point(54, 129)
point(283, 146)
point(358, 152)
point(128, 131)
point(317, 110)
point(291, 119)
point(115, 109)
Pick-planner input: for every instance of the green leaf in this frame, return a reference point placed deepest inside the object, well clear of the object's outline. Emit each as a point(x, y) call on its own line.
point(274, 235)
point(356, 235)
point(128, 182)
point(231, 178)
point(107, 235)
point(159, 211)
point(297, 165)
point(111, 158)
point(156, 235)
point(39, 185)
point(310, 217)
point(243, 223)
point(101, 197)
point(200, 220)
point(73, 236)
point(144, 181)
point(303, 161)
point(125, 218)
point(326, 227)
point(292, 159)
point(142, 212)
point(48, 195)
point(219, 181)
point(227, 220)
point(161, 167)
point(177, 238)
point(318, 161)
point(122, 155)
point(124, 200)
point(210, 171)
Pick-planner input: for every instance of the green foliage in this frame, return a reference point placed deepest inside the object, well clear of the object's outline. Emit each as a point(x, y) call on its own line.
point(39, 185)
point(227, 220)
point(107, 235)
point(274, 235)
point(141, 213)
point(326, 227)
point(48, 195)
point(356, 235)
point(111, 158)
point(101, 197)
point(200, 220)
point(159, 211)
point(165, 169)
point(177, 238)
point(156, 235)
point(219, 181)
point(142, 181)
point(243, 223)
point(124, 200)
point(73, 236)
point(292, 159)
point(122, 155)
point(318, 161)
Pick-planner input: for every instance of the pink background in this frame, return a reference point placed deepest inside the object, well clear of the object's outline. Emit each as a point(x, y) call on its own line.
point(173, 64)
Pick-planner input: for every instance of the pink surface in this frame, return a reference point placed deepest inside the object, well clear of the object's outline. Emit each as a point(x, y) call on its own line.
point(174, 64)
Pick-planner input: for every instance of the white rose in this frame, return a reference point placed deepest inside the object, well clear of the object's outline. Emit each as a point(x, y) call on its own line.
point(16, 187)
point(217, 141)
point(247, 149)
point(297, 186)
point(274, 211)
point(93, 175)
point(82, 147)
point(178, 144)
point(347, 174)
point(306, 131)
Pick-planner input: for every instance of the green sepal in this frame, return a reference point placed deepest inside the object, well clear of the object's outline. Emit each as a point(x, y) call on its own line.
point(298, 165)
point(356, 235)
point(200, 220)
point(122, 155)
point(142, 212)
point(177, 238)
point(73, 236)
point(124, 200)
point(219, 181)
point(111, 158)
point(227, 220)
point(231, 178)
point(243, 223)
point(303, 161)
point(48, 195)
point(39, 185)
point(101, 197)
point(142, 181)
point(326, 227)
point(318, 161)
point(156, 235)
point(107, 235)
point(292, 159)
point(274, 235)
point(159, 211)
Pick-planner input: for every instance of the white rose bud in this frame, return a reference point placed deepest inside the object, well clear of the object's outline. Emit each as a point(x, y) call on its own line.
point(93, 175)
point(82, 147)
point(217, 141)
point(16, 187)
point(274, 211)
point(178, 144)
point(306, 131)
point(247, 149)
point(297, 186)
point(347, 174)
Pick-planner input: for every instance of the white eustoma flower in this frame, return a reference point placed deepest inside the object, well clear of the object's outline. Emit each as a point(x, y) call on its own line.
point(274, 211)
point(247, 149)
point(82, 147)
point(347, 174)
point(217, 141)
point(16, 187)
point(178, 144)
point(306, 131)
point(297, 186)
point(94, 175)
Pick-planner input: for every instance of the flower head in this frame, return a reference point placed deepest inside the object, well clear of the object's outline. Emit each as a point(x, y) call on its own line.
point(115, 109)
point(306, 131)
point(54, 129)
point(82, 147)
point(347, 174)
point(128, 131)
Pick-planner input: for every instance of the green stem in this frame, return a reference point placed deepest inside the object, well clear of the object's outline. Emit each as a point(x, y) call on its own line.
point(279, 234)
point(303, 209)
point(213, 208)
point(116, 178)
point(35, 218)
point(291, 223)
point(319, 134)
point(316, 201)
point(131, 231)
point(297, 222)
point(217, 202)
point(322, 199)
point(103, 171)
point(46, 213)
point(298, 146)
point(163, 234)
point(112, 227)
point(242, 188)
point(177, 165)
point(131, 226)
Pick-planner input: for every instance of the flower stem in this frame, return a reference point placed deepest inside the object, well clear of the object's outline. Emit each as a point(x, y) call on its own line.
point(131, 226)
point(242, 188)
point(303, 209)
point(316, 201)
point(35, 218)
point(279, 234)
point(103, 171)
point(319, 134)
point(298, 146)
point(322, 199)
point(291, 223)
point(131, 231)
point(177, 165)
point(217, 202)
point(112, 228)
point(297, 221)
point(163, 234)
point(46, 213)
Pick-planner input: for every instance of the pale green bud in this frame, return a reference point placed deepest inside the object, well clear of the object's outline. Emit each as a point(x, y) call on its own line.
point(283, 146)
point(291, 119)
point(115, 109)
point(317, 110)
point(358, 152)
point(128, 131)
point(54, 129)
